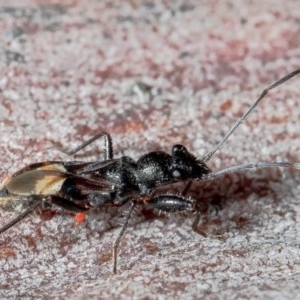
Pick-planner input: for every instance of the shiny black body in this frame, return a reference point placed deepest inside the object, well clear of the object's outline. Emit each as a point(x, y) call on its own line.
point(80, 186)
point(135, 180)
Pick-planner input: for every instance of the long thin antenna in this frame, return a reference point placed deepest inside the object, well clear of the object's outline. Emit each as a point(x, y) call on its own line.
point(260, 165)
point(249, 111)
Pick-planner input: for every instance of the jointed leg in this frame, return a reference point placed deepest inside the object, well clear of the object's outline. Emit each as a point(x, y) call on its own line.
point(120, 235)
point(187, 188)
point(58, 201)
point(108, 154)
point(196, 221)
point(65, 204)
point(20, 217)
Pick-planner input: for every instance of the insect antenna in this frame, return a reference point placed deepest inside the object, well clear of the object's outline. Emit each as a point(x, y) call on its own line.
point(20, 217)
point(248, 166)
point(208, 156)
point(249, 111)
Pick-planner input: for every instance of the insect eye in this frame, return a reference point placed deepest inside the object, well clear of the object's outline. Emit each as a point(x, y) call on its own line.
point(176, 174)
point(177, 149)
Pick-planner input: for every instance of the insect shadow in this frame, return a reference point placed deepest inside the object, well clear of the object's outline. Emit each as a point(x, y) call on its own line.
point(79, 186)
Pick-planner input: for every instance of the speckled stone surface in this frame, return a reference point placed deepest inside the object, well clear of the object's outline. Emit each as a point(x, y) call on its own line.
point(153, 74)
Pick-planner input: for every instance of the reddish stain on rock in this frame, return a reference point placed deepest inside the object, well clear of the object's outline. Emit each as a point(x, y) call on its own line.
point(7, 252)
point(226, 105)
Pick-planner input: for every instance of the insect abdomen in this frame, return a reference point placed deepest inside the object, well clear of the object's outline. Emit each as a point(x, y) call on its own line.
point(170, 203)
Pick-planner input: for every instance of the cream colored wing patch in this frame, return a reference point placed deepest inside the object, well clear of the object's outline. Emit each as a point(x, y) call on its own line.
point(36, 182)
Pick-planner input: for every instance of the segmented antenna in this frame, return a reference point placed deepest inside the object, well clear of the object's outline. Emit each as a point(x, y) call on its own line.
point(259, 165)
point(249, 111)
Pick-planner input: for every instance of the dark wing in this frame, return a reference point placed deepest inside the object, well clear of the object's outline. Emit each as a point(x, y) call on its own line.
point(51, 179)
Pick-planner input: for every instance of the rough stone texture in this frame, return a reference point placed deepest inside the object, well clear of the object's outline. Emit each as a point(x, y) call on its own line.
point(154, 73)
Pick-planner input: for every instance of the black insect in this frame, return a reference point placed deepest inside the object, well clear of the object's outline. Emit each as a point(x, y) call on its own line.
point(80, 186)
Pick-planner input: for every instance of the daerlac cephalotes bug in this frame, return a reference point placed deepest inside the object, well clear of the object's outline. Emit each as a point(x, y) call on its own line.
point(81, 186)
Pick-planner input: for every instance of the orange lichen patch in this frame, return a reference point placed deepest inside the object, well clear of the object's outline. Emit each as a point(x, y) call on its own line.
point(104, 258)
point(6, 252)
point(130, 126)
point(278, 119)
point(279, 137)
point(226, 105)
point(80, 217)
point(135, 126)
point(31, 241)
point(151, 248)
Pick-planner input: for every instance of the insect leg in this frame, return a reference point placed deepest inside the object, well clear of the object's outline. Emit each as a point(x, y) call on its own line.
point(20, 217)
point(108, 154)
point(196, 221)
point(58, 201)
point(65, 204)
point(186, 188)
point(120, 235)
